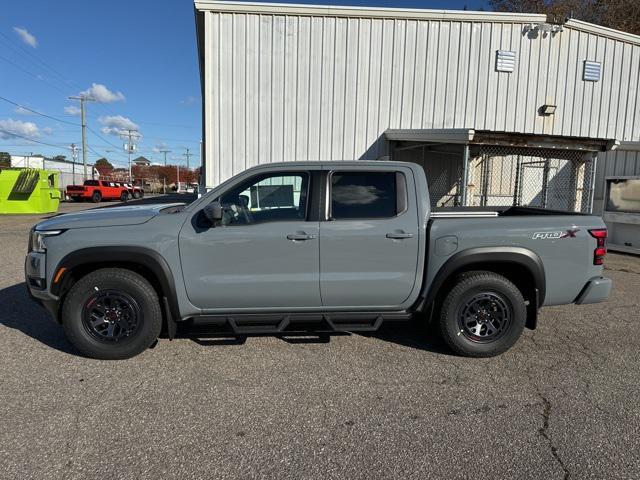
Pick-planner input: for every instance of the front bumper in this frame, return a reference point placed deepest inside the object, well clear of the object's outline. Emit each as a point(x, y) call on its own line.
point(596, 290)
point(36, 280)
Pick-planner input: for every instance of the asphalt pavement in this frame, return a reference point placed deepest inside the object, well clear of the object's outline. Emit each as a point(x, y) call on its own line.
point(563, 403)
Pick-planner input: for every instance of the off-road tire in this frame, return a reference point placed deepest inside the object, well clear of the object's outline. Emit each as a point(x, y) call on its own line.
point(96, 197)
point(124, 196)
point(476, 285)
point(116, 280)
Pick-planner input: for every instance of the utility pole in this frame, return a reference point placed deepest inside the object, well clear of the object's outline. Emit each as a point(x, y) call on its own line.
point(164, 178)
point(74, 156)
point(187, 154)
point(83, 122)
point(130, 147)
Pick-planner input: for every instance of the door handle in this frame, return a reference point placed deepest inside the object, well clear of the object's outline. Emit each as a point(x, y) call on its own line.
point(399, 235)
point(300, 236)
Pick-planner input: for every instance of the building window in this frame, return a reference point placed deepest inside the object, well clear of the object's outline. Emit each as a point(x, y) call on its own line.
point(266, 198)
point(367, 195)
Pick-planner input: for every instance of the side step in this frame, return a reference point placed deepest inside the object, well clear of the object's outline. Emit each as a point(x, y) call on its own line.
point(253, 324)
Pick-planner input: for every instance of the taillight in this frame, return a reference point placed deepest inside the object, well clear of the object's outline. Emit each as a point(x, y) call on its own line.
point(600, 234)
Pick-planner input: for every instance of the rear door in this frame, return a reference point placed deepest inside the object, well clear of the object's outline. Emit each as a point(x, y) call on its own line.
point(369, 242)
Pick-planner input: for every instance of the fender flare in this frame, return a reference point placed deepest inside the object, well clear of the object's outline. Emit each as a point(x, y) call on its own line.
point(500, 255)
point(145, 257)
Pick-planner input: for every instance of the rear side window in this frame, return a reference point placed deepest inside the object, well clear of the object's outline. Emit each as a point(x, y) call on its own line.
point(92, 183)
point(367, 194)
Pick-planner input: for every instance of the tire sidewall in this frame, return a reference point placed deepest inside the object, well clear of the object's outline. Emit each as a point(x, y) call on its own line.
point(96, 197)
point(112, 279)
point(463, 292)
point(124, 196)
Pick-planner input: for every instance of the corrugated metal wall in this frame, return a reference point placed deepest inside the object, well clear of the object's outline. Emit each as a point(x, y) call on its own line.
point(297, 87)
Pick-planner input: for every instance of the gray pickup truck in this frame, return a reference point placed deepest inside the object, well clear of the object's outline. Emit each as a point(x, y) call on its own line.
point(311, 246)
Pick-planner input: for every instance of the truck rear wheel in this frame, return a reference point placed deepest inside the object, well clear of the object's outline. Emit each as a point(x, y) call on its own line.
point(124, 196)
point(112, 314)
point(483, 315)
point(96, 197)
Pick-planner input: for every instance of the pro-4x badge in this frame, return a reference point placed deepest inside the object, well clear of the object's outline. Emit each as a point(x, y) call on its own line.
point(571, 233)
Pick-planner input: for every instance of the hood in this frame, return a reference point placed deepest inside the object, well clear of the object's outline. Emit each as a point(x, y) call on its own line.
point(104, 217)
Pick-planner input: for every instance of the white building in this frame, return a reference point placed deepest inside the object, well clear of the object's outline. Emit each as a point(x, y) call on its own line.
point(499, 108)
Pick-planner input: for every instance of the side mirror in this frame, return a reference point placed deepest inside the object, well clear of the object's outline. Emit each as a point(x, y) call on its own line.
point(213, 212)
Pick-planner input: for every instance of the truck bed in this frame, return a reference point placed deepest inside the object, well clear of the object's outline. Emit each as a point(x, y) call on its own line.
point(519, 211)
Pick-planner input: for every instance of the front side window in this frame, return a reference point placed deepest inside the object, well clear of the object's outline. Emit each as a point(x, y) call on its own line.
point(364, 195)
point(267, 198)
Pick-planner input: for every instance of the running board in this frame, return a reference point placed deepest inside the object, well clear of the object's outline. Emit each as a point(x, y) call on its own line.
point(253, 324)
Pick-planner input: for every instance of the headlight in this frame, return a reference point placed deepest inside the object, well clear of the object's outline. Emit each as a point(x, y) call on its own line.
point(38, 239)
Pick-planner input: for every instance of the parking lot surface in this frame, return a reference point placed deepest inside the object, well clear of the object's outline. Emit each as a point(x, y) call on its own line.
point(563, 403)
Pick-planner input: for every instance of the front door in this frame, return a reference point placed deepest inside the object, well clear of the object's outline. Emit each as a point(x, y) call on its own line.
point(369, 244)
point(263, 253)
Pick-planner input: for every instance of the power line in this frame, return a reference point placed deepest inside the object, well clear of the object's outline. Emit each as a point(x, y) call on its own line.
point(13, 134)
point(43, 79)
point(24, 51)
point(104, 139)
point(38, 113)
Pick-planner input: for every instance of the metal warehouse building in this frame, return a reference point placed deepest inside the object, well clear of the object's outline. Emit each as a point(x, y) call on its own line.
point(499, 108)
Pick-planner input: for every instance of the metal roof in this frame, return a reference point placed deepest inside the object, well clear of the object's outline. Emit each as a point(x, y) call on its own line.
point(514, 139)
point(403, 13)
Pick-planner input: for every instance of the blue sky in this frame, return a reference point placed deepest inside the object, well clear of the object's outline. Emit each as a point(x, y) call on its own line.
point(139, 57)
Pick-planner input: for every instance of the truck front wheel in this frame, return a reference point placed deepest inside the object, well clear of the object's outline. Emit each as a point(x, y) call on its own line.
point(112, 314)
point(483, 315)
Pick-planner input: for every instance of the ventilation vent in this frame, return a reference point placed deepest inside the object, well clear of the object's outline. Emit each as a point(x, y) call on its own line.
point(505, 61)
point(591, 71)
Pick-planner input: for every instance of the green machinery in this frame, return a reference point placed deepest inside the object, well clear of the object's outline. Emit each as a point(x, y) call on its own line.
point(29, 190)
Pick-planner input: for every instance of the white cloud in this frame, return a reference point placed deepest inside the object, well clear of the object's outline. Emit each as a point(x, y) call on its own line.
point(10, 128)
point(159, 147)
point(190, 100)
point(22, 111)
point(116, 124)
point(102, 94)
point(47, 131)
point(72, 110)
point(26, 37)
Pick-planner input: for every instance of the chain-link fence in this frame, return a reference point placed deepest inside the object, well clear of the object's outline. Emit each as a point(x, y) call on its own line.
point(502, 176)
point(536, 177)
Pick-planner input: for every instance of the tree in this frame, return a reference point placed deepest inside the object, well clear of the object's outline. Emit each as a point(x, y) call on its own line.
point(619, 14)
point(103, 166)
point(5, 159)
point(60, 158)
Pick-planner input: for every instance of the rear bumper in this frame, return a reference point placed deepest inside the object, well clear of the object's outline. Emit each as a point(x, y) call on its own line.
point(596, 290)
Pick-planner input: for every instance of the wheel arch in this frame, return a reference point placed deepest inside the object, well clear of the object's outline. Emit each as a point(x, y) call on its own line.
point(521, 266)
point(148, 263)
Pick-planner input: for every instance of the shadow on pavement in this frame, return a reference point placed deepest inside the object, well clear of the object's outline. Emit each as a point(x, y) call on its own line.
point(23, 314)
point(414, 334)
